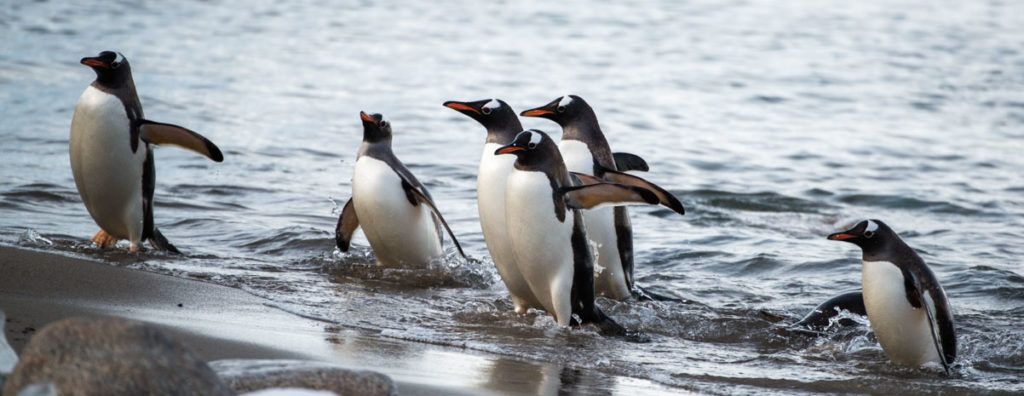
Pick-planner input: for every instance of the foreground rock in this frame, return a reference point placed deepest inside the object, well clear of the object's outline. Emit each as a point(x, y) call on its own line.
point(250, 375)
point(109, 356)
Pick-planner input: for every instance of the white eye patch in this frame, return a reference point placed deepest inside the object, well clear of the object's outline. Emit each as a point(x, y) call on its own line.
point(494, 104)
point(566, 100)
point(119, 58)
point(872, 226)
point(535, 138)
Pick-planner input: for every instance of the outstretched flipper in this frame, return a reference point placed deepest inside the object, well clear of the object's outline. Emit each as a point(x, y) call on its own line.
point(159, 242)
point(630, 162)
point(420, 195)
point(168, 134)
point(347, 225)
point(591, 195)
point(665, 198)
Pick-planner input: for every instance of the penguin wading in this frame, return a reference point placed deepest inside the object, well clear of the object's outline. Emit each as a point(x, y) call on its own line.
point(502, 125)
point(586, 151)
point(395, 211)
point(112, 158)
point(549, 239)
point(905, 303)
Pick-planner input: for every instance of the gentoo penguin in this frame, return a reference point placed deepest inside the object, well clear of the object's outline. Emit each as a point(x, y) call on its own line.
point(586, 151)
point(549, 239)
point(905, 304)
point(111, 157)
point(821, 316)
point(396, 212)
point(502, 126)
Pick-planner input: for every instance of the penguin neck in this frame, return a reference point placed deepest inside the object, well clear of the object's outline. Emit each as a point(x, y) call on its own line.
point(380, 149)
point(587, 131)
point(504, 130)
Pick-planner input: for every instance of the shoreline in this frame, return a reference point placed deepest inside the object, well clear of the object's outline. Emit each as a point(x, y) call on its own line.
point(219, 322)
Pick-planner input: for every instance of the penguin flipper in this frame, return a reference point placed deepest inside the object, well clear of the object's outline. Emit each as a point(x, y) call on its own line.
point(941, 327)
point(665, 198)
point(159, 242)
point(591, 195)
point(647, 295)
point(630, 162)
point(347, 225)
point(168, 134)
point(820, 317)
point(421, 196)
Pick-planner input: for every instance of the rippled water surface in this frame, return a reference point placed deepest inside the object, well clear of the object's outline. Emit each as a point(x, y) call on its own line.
point(775, 124)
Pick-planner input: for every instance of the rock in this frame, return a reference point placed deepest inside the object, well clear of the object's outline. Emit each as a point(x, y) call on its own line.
point(110, 356)
point(252, 375)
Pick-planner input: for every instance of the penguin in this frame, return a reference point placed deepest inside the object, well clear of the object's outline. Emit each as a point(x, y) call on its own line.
point(547, 233)
point(112, 156)
point(821, 316)
point(396, 212)
point(502, 126)
point(586, 152)
point(905, 303)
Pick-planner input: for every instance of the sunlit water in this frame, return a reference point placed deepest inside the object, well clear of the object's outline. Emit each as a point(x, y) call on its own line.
point(774, 125)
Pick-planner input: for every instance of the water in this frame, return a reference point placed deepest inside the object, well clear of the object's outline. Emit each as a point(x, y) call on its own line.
point(775, 125)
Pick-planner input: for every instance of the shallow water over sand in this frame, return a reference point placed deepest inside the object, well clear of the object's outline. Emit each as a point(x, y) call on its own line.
point(774, 125)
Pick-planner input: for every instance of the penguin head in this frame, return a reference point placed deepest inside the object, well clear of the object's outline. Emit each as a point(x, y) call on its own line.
point(530, 146)
point(871, 235)
point(491, 113)
point(375, 128)
point(111, 68)
point(562, 110)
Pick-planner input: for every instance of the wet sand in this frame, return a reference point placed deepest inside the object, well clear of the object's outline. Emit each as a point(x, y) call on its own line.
point(220, 322)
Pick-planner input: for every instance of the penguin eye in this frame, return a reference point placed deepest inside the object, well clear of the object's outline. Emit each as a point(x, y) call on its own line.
point(532, 145)
point(383, 124)
point(561, 109)
point(869, 234)
point(486, 110)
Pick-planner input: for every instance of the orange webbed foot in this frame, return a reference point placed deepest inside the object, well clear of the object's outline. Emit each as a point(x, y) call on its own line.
point(104, 240)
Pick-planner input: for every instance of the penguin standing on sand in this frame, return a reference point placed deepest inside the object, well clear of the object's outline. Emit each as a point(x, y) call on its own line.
point(549, 239)
point(905, 303)
point(586, 151)
point(502, 126)
point(396, 212)
point(111, 156)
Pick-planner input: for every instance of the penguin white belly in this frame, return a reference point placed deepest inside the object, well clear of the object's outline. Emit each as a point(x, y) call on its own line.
point(542, 245)
point(107, 173)
point(491, 180)
point(609, 277)
point(399, 233)
point(902, 330)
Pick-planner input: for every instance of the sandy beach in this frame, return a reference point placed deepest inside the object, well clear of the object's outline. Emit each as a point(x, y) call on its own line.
point(219, 322)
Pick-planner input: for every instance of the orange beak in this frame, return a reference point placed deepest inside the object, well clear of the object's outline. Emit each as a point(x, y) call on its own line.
point(536, 113)
point(367, 118)
point(840, 236)
point(460, 107)
point(93, 63)
point(507, 150)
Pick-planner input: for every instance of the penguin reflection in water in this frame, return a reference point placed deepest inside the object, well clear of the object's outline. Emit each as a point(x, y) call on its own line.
point(395, 211)
point(905, 303)
point(112, 157)
point(546, 230)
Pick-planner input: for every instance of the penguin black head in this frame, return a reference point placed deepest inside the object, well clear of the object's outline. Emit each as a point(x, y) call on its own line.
point(562, 110)
point(375, 128)
point(111, 68)
point(491, 113)
point(531, 147)
point(871, 235)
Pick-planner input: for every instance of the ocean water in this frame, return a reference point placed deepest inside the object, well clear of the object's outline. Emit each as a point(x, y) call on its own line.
point(774, 124)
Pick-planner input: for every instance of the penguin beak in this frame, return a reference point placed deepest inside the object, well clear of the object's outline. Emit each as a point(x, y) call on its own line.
point(508, 149)
point(538, 112)
point(366, 118)
point(841, 236)
point(461, 107)
point(93, 62)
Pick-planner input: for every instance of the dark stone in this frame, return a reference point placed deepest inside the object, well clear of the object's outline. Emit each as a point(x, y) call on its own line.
point(253, 375)
point(110, 356)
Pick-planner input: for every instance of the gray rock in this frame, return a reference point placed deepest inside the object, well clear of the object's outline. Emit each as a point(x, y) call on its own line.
point(252, 375)
point(109, 356)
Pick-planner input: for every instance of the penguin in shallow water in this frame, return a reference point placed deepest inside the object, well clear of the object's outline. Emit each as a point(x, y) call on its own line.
point(502, 126)
point(112, 157)
point(549, 239)
point(395, 211)
point(905, 303)
point(586, 152)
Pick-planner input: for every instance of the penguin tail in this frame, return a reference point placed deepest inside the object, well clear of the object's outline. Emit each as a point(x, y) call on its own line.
point(610, 328)
point(160, 242)
point(642, 294)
